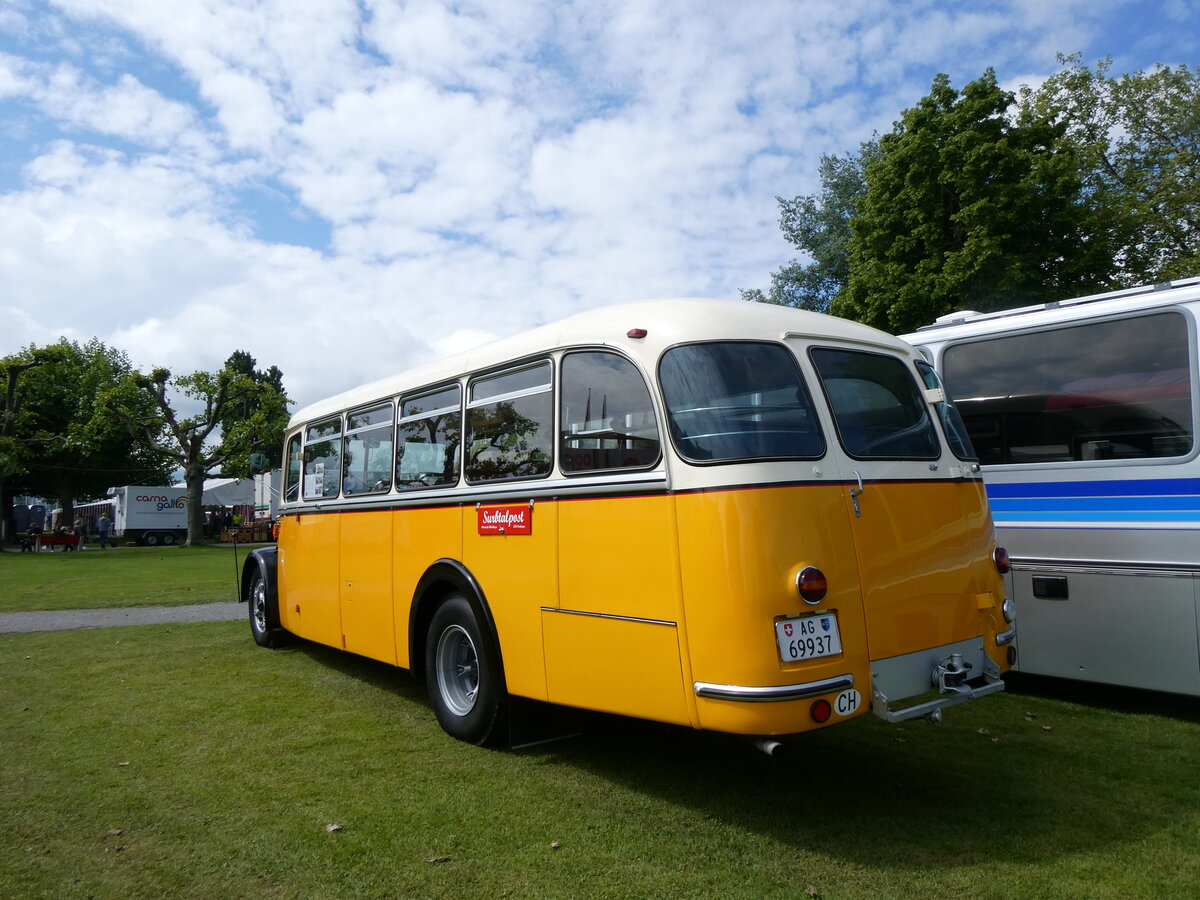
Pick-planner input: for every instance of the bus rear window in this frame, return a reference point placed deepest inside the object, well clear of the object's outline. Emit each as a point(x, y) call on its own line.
point(879, 410)
point(736, 401)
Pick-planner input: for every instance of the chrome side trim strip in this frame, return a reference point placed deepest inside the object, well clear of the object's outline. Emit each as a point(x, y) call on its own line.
point(1006, 637)
point(773, 694)
point(1105, 567)
point(596, 615)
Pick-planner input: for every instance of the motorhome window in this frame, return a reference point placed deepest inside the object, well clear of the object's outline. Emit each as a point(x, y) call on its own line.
point(952, 423)
point(735, 401)
point(607, 419)
point(879, 410)
point(367, 456)
point(428, 437)
point(292, 467)
point(322, 459)
point(1119, 389)
point(510, 422)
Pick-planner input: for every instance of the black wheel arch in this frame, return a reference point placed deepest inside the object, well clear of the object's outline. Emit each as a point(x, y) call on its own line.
point(264, 560)
point(442, 578)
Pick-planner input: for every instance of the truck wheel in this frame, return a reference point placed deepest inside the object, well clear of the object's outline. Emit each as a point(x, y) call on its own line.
point(150, 539)
point(264, 614)
point(462, 675)
point(168, 538)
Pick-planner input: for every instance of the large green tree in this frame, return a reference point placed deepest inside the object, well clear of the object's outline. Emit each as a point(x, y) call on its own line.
point(270, 426)
point(14, 450)
point(967, 208)
point(819, 226)
point(232, 413)
point(72, 446)
point(1137, 137)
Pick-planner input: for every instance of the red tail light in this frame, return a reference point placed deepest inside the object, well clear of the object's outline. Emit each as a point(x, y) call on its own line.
point(812, 584)
point(820, 710)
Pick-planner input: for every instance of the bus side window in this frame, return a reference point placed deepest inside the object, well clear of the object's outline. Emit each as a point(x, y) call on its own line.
point(428, 437)
point(367, 457)
point(510, 420)
point(607, 418)
point(322, 456)
point(291, 483)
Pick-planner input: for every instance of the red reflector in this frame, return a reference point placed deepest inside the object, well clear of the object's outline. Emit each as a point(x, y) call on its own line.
point(812, 584)
point(1012, 655)
point(821, 710)
point(636, 333)
point(1000, 555)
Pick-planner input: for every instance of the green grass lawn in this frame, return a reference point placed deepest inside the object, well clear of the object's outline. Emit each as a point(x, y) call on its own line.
point(186, 762)
point(126, 576)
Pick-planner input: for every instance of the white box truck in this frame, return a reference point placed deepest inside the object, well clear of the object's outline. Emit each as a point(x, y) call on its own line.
point(150, 515)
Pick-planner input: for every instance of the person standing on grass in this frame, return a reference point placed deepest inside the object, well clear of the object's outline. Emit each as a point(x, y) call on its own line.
point(81, 530)
point(103, 524)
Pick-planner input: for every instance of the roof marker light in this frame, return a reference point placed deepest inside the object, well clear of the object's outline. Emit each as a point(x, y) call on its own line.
point(636, 333)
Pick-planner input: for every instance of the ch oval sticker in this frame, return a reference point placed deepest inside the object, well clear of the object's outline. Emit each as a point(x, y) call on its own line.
point(847, 702)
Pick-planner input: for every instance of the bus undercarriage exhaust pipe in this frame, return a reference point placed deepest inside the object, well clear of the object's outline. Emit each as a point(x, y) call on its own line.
point(767, 745)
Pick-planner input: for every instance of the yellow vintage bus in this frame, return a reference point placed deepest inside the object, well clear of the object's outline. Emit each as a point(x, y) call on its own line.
point(724, 515)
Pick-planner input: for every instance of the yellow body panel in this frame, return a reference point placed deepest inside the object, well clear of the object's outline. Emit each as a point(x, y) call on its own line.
point(617, 556)
point(309, 572)
point(366, 585)
point(419, 539)
point(740, 554)
point(615, 665)
point(924, 557)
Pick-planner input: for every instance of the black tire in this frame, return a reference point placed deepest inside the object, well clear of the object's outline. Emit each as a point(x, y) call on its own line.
point(264, 613)
point(168, 538)
point(462, 674)
point(150, 538)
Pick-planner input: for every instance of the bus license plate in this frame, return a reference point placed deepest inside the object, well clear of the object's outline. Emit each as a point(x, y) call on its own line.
point(808, 637)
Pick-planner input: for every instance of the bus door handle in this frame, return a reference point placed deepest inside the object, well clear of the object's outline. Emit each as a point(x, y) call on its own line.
point(855, 492)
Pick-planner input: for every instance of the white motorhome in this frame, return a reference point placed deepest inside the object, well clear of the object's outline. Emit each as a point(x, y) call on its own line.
point(1083, 414)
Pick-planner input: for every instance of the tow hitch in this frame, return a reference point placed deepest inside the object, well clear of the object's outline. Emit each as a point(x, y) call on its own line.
point(951, 674)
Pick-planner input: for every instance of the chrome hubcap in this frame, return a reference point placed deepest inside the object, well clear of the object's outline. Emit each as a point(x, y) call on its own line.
point(457, 666)
point(258, 603)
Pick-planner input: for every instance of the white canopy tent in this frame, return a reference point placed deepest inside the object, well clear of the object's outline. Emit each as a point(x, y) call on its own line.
point(228, 492)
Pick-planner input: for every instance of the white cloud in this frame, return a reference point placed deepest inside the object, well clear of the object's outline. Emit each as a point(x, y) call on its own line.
point(482, 166)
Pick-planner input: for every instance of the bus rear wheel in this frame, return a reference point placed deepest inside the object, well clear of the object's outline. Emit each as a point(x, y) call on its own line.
point(462, 674)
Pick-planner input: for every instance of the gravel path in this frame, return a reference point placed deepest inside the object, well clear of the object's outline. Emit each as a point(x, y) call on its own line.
point(70, 619)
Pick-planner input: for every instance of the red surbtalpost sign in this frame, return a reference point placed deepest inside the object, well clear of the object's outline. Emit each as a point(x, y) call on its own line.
point(505, 519)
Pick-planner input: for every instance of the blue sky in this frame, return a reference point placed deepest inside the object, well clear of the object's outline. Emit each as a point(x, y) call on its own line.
point(345, 188)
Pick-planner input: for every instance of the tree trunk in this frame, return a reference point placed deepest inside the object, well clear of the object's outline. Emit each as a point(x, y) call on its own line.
point(66, 500)
point(6, 515)
point(194, 479)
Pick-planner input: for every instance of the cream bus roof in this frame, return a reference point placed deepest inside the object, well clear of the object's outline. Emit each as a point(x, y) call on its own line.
point(666, 322)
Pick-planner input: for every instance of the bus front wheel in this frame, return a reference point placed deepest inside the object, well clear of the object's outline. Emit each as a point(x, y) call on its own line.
point(264, 614)
point(462, 674)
